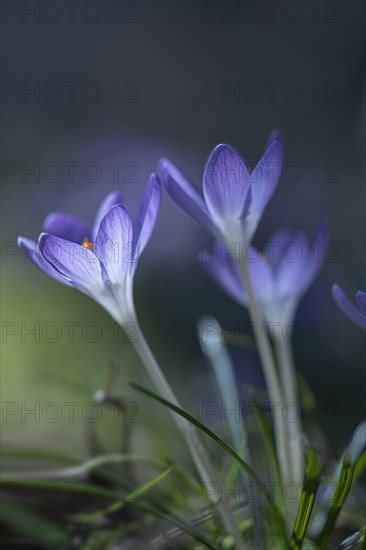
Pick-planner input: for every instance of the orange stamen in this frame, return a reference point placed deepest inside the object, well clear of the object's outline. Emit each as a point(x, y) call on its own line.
point(87, 244)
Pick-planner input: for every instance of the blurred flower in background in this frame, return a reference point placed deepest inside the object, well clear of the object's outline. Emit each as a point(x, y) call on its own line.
point(280, 276)
point(356, 314)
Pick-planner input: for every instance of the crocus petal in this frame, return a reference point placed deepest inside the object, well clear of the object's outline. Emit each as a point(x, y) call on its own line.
point(147, 215)
point(274, 246)
point(264, 179)
point(67, 227)
point(183, 193)
point(112, 199)
point(224, 272)
point(347, 307)
point(361, 300)
point(315, 258)
point(113, 244)
point(31, 249)
point(225, 184)
point(75, 262)
point(293, 261)
point(260, 275)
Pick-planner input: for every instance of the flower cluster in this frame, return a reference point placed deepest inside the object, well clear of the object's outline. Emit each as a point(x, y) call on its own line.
point(101, 261)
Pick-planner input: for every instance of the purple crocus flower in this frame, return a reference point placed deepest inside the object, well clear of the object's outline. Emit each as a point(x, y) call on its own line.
point(100, 261)
point(280, 276)
point(233, 197)
point(356, 314)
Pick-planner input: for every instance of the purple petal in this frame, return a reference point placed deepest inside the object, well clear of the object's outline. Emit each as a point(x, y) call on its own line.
point(112, 199)
point(346, 306)
point(260, 275)
point(75, 262)
point(113, 244)
point(67, 227)
point(147, 215)
point(31, 249)
point(264, 178)
point(274, 246)
point(292, 263)
point(183, 193)
point(361, 300)
point(225, 184)
point(223, 270)
point(315, 258)
point(301, 262)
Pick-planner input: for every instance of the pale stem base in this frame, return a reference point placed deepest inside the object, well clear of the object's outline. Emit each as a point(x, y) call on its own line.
point(270, 375)
point(289, 384)
point(195, 447)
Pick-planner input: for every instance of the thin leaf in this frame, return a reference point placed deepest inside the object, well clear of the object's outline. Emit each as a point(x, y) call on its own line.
point(131, 497)
point(267, 439)
point(136, 494)
point(359, 466)
point(357, 445)
point(80, 469)
point(308, 496)
point(276, 512)
point(355, 452)
point(70, 488)
point(342, 489)
point(188, 480)
point(37, 454)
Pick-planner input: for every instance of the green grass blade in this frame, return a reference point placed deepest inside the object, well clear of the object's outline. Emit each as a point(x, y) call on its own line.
point(38, 454)
point(359, 466)
point(136, 494)
point(342, 489)
point(80, 470)
point(357, 445)
point(247, 469)
point(308, 496)
point(70, 488)
point(131, 497)
point(267, 439)
point(355, 454)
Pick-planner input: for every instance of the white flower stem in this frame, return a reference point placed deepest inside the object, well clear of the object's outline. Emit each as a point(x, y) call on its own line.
point(199, 456)
point(289, 384)
point(270, 375)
